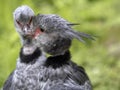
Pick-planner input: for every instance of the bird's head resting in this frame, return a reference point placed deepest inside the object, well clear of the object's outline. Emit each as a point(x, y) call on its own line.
point(55, 34)
point(23, 20)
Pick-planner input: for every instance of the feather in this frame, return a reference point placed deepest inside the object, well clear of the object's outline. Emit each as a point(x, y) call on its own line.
point(73, 24)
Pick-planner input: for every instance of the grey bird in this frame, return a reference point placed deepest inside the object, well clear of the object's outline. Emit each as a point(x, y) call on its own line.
point(47, 34)
point(54, 38)
point(30, 57)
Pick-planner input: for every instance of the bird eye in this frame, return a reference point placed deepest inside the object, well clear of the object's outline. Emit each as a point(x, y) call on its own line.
point(42, 30)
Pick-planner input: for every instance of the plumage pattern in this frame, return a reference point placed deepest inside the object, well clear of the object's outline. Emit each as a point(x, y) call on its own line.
point(51, 23)
point(57, 33)
point(38, 76)
point(53, 35)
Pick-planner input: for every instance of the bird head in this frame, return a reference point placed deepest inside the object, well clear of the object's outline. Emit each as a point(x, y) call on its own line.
point(55, 34)
point(23, 20)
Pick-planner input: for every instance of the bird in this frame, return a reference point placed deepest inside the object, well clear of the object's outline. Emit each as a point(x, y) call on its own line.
point(54, 38)
point(46, 34)
point(29, 55)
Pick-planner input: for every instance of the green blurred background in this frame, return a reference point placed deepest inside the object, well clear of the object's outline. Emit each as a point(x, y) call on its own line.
point(100, 58)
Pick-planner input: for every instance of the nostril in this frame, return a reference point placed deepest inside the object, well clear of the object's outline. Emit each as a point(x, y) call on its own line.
point(25, 29)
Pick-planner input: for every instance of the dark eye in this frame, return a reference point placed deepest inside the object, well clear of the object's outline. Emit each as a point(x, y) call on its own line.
point(42, 30)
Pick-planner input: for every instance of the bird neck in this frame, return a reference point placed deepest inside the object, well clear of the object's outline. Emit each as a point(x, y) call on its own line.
point(58, 61)
point(31, 58)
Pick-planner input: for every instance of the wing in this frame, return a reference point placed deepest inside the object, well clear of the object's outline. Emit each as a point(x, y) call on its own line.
point(8, 82)
point(80, 77)
point(77, 79)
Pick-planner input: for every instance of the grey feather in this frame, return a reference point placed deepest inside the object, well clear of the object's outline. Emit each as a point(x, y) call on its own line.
point(73, 24)
point(79, 35)
point(8, 84)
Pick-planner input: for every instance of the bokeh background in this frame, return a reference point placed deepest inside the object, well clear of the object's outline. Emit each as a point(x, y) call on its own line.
point(100, 58)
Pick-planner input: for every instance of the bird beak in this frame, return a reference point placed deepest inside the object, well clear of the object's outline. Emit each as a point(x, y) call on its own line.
point(27, 31)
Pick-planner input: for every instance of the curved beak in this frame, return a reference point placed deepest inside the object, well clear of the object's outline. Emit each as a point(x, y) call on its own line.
point(27, 31)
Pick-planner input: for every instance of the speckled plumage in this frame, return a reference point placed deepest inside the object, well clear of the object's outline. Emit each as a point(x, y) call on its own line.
point(38, 76)
point(56, 72)
point(57, 33)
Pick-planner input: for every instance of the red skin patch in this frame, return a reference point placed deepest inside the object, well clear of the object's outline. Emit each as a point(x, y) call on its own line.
point(37, 32)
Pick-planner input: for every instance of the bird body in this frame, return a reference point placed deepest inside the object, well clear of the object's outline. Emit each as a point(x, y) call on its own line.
point(47, 74)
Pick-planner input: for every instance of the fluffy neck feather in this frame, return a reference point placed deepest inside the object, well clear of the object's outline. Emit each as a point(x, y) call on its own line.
point(31, 58)
point(58, 61)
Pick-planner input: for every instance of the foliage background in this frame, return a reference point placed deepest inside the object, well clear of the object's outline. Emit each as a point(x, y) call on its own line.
point(100, 58)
